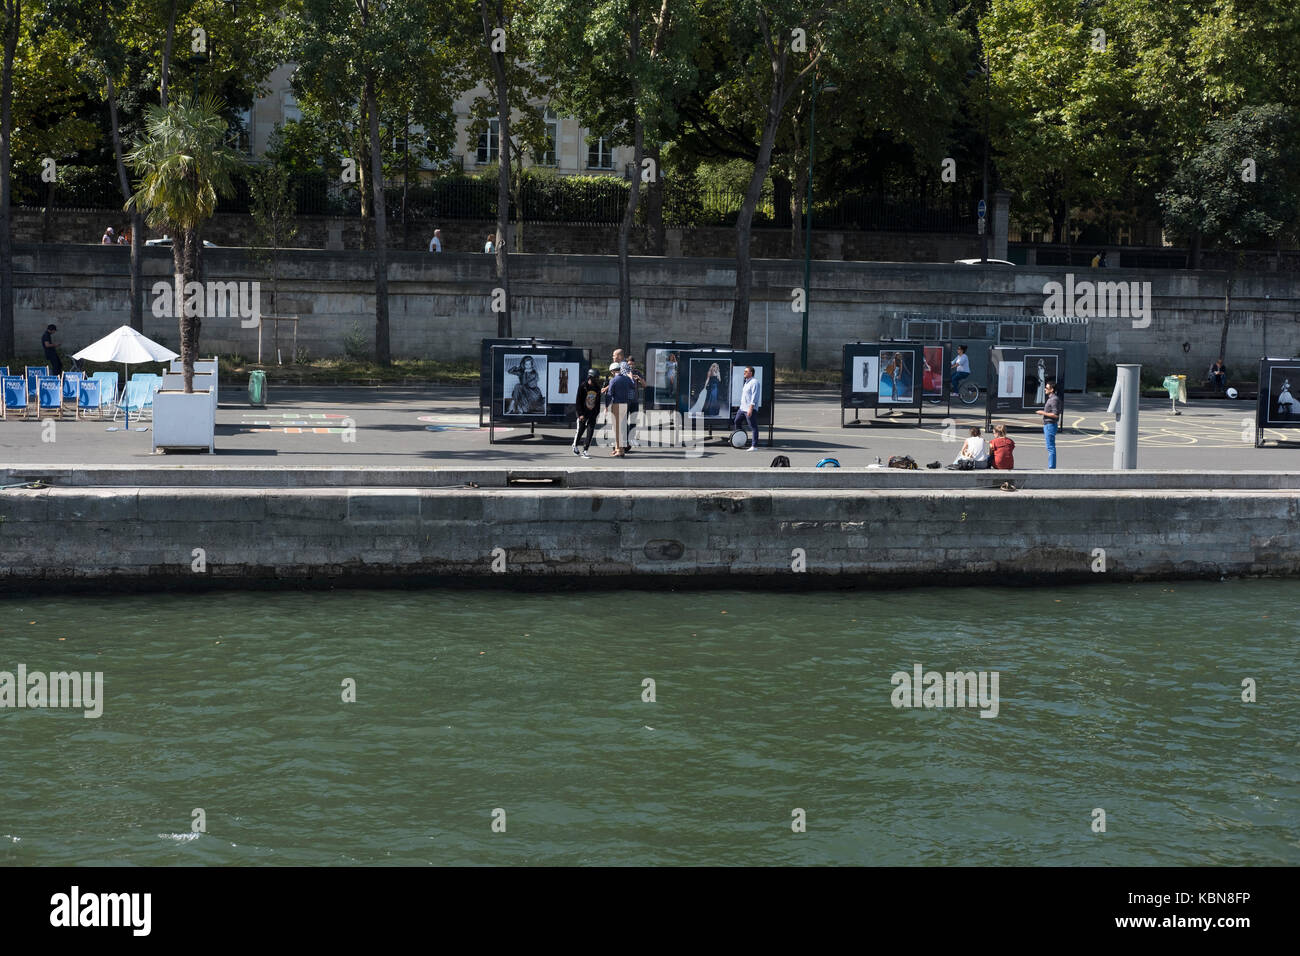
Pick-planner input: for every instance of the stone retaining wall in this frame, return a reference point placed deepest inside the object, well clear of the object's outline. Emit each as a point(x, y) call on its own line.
point(107, 538)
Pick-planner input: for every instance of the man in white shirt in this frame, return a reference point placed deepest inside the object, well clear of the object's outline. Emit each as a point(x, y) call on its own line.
point(960, 369)
point(748, 402)
point(435, 244)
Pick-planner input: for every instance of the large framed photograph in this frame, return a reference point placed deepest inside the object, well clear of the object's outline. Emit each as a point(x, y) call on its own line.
point(1011, 380)
point(896, 378)
point(866, 371)
point(1283, 406)
point(710, 388)
point(933, 371)
point(1038, 371)
point(522, 380)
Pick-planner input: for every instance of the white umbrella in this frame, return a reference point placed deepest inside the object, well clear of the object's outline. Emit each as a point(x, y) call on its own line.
point(124, 344)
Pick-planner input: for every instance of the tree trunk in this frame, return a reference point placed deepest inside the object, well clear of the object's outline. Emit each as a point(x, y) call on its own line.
point(137, 220)
point(185, 268)
point(654, 204)
point(1227, 304)
point(634, 188)
point(383, 354)
point(163, 80)
point(797, 219)
point(504, 328)
point(7, 349)
point(744, 221)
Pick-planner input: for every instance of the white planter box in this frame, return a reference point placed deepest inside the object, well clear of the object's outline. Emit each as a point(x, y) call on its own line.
point(208, 382)
point(183, 421)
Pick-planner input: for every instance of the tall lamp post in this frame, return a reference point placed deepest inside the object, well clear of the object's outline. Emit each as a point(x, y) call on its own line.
point(984, 204)
point(807, 242)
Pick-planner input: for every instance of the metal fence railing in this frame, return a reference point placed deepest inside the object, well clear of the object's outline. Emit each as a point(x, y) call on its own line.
point(589, 201)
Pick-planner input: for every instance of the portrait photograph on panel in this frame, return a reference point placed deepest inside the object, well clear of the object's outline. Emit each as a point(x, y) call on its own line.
point(896, 380)
point(1039, 370)
point(665, 372)
point(865, 372)
point(932, 376)
point(521, 385)
point(710, 388)
point(1283, 395)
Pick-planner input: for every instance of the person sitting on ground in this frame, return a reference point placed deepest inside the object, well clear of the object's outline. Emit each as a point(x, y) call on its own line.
point(1218, 374)
point(974, 449)
point(1001, 448)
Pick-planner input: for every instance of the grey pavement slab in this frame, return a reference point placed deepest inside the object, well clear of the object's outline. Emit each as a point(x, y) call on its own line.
point(438, 426)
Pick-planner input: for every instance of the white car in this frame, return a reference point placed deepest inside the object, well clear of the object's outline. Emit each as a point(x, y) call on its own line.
point(167, 241)
point(976, 262)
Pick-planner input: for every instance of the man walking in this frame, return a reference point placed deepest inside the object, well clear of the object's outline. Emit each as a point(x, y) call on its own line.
point(588, 411)
point(51, 351)
point(435, 244)
point(960, 369)
point(748, 402)
point(1051, 413)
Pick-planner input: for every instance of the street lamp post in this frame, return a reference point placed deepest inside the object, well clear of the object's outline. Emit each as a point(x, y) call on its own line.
point(984, 245)
point(807, 243)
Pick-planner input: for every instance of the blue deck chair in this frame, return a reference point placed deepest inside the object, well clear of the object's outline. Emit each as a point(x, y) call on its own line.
point(34, 372)
point(137, 397)
point(15, 395)
point(107, 388)
point(88, 399)
point(70, 382)
point(49, 395)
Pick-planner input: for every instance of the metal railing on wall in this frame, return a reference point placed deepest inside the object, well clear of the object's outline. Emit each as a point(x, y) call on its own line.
point(586, 201)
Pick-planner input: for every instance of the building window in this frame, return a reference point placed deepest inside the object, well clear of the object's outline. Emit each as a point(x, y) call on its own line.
point(600, 155)
point(489, 142)
point(547, 156)
point(289, 106)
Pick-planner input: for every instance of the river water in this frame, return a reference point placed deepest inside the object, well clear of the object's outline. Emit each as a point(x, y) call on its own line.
point(500, 728)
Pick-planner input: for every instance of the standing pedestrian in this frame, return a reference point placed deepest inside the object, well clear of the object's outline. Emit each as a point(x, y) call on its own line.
point(435, 244)
point(108, 238)
point(619, 391)
point(588, 411)
point(51, 350)
point(748, 402)
point(490, 247)
point(1051, 413)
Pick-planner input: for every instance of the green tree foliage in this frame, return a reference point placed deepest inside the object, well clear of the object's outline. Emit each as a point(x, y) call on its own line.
point(183, 164)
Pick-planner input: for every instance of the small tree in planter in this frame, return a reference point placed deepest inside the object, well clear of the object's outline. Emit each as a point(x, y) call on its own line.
point(183, 165)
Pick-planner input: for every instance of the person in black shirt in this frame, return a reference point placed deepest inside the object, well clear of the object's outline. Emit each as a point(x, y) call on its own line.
point(588, 411)
point(1051, 413)
point(51, 353)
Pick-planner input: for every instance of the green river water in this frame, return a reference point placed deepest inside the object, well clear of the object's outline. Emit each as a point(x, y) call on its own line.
point(1123, 698)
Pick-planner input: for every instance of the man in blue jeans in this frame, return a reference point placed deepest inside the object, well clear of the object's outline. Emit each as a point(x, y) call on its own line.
point(960, 366)
point(1051, 412)
point(748, 402)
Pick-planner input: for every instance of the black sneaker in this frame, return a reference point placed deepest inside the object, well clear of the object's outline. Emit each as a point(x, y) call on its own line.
point(575, 450)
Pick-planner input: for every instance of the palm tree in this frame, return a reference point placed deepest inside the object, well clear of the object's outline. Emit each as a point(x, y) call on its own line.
point(183, 164)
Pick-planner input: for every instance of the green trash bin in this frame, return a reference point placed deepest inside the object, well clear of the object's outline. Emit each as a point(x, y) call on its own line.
point(257, 388)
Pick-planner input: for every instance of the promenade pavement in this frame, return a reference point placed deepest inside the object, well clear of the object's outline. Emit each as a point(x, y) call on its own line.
point(439, 426)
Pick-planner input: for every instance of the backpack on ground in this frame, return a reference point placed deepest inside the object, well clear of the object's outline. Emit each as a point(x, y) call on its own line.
point(780, 461)
point(902, 461)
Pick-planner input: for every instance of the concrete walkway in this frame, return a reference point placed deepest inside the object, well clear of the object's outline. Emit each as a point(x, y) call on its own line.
point(403, 428)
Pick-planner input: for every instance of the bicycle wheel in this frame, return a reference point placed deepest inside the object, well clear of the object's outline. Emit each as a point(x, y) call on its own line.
point(969, 393)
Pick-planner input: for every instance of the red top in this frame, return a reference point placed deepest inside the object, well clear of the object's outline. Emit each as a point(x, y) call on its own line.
point(1001, 448)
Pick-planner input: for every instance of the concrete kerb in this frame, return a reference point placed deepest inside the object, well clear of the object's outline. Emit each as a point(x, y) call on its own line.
point(631, 479)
